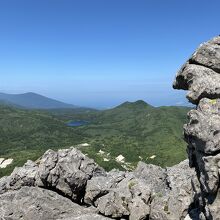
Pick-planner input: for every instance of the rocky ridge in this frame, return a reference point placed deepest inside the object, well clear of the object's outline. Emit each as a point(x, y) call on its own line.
point(201, 76)
point(68, 185)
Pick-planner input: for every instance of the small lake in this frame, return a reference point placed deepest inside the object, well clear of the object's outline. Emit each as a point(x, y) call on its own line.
point(77, 123)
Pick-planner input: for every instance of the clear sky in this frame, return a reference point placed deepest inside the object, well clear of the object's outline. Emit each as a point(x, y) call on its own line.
point(99, 53)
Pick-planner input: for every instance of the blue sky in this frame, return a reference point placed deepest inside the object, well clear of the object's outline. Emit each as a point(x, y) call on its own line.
point(100, 53)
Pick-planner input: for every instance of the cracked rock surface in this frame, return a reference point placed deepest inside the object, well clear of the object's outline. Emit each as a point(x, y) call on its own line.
point(51, 187)
point(201, 76)
point(41, 204)
point(65, 171)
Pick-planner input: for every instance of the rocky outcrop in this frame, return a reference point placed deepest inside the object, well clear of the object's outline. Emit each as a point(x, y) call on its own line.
point(65, 171)
point(119, 194)
point(149, 191)
point(41, 204)
point(50, 188)
point(201, 76)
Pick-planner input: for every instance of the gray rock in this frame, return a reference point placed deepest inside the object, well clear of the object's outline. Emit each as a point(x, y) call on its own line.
point(149, 191)
point(175, 200)
point(65, 171)
point(100, 185)
point(199, 80)
point(208, 55)
point(21, 176)
point(69, 176)
point(153, 176)
point(41, 204)
point(204, 127)
point(202, 134)
point(201, 76)
point(201, 73)
point(119, 194)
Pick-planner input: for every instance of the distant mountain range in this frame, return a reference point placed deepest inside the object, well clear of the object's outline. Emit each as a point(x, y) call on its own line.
point(32, 100)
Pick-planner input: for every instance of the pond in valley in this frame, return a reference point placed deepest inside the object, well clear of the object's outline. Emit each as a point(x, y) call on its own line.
point(76, 123)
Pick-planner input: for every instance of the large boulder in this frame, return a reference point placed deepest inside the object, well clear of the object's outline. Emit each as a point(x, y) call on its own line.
point(65, 171)
point(201, 76)
point(153, 176)
point(201, 73)
point(21, 176)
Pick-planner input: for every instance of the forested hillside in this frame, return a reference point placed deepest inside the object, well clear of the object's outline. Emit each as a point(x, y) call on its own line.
point(137, 131)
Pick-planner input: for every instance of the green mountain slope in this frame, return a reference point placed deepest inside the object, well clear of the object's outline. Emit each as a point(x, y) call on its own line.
point(136, 130)
point(26, 134)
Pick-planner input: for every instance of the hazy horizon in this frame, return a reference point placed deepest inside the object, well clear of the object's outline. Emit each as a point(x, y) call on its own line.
point(102, 106)
point(100, 53)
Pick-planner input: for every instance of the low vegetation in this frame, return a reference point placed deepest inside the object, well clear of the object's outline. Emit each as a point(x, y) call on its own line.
point(135, 130)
